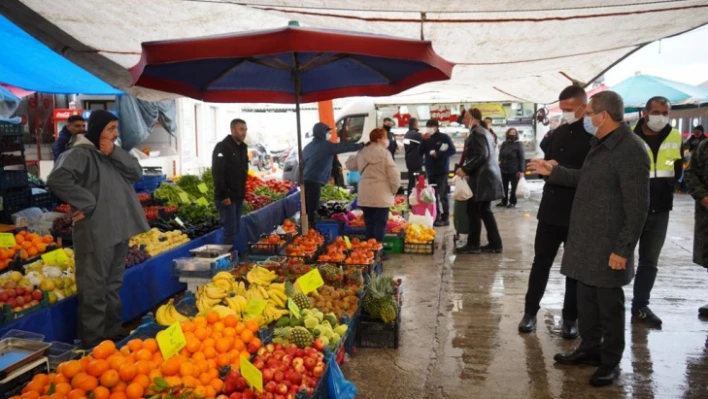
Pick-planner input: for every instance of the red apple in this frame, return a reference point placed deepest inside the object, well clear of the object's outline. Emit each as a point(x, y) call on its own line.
point(279, 376)
point(281, 389)
point(20, 291)
point(252, 348)
point(278, 347)
point(222, 397)
point(260, 351)
point(298, 361)
point(294, 377)
point(319, 344)
point(300, 369)
point(28, 298)
point(270, 386)
point(20, 301)
point(230, 386)
point(310, 363)
point(287, 360)
point(241, 384)
point(300, 353)
point(4, 297)
point(11, 293)
point(249, 394)
point(259, 364)
point(268, 375)
point(12, 302)
point(318, 371)
point(310, 391)
point(277, 355)
point(236, 395)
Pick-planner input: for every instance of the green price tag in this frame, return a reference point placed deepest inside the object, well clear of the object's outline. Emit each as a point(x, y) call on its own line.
point(294, 309)
point(253, 376)
point(310, 282)
point(171, 340)
point(55, 258)
point(347, 242)
point(201, 201)
point(202, 187)
point(256, 306)
point(7, 240)
point(184, 198)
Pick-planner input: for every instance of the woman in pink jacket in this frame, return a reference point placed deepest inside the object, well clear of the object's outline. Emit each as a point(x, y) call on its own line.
point(379, 182)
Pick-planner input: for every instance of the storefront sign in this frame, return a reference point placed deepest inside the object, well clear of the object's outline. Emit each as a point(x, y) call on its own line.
point(490, 110)
point(440, 112)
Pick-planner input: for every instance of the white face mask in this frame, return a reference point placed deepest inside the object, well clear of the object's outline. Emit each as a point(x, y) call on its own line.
point(657, 122)
point(328, 136)
point(569, 117)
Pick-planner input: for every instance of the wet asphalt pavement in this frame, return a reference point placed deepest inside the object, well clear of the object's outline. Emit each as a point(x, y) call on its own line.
point(459, 334)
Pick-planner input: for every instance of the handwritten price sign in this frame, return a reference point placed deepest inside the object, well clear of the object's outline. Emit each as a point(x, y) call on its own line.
point(171, 340)
point(310, 282)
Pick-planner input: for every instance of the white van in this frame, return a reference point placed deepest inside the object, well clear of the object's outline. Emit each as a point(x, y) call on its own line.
point(362, 115)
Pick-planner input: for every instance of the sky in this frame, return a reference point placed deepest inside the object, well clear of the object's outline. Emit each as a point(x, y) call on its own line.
point(682, 58)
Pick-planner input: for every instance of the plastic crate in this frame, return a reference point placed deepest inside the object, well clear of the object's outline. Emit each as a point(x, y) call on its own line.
point(393, 244)
point(11, 144)
point(44, 200)
point(266, 248)
point(13, 179)
point(330, 229)
point(374, 333)
point(194, 267)
point(427, 248)
point(11, 160)
point(149, 183)
point(10, 129)
point(148, 328)
point(21, 334)
point(347, 230)
point(59, 353)
point(15, 200)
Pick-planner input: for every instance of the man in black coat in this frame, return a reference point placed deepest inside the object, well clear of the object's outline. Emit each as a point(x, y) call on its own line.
point(414, 161)
point(568, 145)
point(608, 215)
point(392, 145)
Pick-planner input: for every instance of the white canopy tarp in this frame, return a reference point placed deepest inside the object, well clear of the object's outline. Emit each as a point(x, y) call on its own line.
point(505, 49)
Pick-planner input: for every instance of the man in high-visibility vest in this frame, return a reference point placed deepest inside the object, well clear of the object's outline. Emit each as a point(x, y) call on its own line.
point(664, 146)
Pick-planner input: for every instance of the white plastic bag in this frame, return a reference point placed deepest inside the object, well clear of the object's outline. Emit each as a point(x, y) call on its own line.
point(425, 220)
point(413, 198)
point(427, 195)
point(523, 190)
point(463, 192)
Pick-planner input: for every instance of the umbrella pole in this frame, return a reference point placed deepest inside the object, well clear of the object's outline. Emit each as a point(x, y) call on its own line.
point(301, 163)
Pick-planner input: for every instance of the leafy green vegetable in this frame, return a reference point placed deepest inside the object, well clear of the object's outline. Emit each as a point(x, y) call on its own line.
point(170, 193)
point(331, 192)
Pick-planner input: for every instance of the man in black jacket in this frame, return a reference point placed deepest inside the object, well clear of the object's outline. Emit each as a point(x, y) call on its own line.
point(568, 145)
point(663, 144)
point(414, 161)
point(437, 148)
point(229, 167)
point(695, 140)
point(392, 145)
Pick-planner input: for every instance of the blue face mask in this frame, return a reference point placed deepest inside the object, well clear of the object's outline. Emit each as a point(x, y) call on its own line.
point(589, 127)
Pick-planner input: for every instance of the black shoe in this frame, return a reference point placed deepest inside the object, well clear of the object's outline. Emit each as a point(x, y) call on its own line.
point(703, 311)
point(527, 324)
point(469, 250)
point(501, 205)
point(489, 249)
point(441, 223)
point(578, 357)
point(511, 206)
point(569, 329)
point(604, 376)
point(645, 315)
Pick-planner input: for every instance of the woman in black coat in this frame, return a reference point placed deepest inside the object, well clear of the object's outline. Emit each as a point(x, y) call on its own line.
point(512, 165)
point(482, 171)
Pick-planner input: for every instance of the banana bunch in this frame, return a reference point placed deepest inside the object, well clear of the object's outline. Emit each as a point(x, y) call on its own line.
point(237, 303)
point(271, 314)
point(211, 295)
point(276, 295)
point(261, 276)
point(223, 311)
point(168, 315)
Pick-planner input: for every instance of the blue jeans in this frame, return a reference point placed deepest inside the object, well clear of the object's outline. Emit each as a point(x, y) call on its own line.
point(230, 216)
point(375, 220)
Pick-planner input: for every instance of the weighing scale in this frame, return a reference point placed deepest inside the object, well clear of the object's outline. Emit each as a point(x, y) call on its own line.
point(20, 360)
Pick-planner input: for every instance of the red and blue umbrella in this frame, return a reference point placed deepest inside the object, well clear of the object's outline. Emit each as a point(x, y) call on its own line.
point(288, 65)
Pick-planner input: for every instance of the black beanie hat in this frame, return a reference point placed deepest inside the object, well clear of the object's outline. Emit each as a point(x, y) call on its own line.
point(96, 123)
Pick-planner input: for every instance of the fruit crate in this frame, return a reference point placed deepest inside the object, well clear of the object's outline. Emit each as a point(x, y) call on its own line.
point(348, 230)
point(10, 179)
point(15, 200)
point(393, 244)
point(11, 160)
point(267, 249)
point(427, 248)
point(10, 129)
point(42, 200)
point(306, 259)
point(330, 229)
point(11, 144)
point(148, 328)
point(59, 353)
point(374, 333)
point(9, 315)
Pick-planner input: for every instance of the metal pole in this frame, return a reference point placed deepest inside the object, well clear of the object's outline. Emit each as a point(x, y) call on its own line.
point(301, 175)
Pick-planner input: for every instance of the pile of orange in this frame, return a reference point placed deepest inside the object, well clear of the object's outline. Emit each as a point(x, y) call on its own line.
point(28, 245)
point(129, 373)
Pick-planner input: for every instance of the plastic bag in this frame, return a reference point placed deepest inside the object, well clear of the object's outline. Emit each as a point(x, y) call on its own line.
point(463, 192)
point(353, 177)
point(425, 220)
point(427, 195)
point(523, 190)
point(413, 198)
point(461, 218)
point(27, 217)
point(337, 385)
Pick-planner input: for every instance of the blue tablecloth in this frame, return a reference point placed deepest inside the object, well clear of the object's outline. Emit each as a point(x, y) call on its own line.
point(148, 284)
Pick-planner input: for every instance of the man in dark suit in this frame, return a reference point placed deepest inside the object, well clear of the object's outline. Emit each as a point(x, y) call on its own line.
point(568, 145)
point(608, 215)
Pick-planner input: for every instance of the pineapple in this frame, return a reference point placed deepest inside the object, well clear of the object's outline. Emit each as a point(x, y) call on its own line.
point(379, 290)
point(388, 311)
point(301, 300)
point(281, 335)
point(301, 337)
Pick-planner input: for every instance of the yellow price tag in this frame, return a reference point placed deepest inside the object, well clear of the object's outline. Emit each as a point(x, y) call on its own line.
point(293, 308)
point(256, 306)
point(310, 282)
point(202, 187)
point(171, 340)
point(347, 242)
point(7, 240)
point(54, 258)
point(201, 201)
point(253, 376)
point(184, 198)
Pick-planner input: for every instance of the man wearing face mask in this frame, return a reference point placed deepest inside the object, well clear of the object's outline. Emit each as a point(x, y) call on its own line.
point(663, 145)
point(568, 145)
point(96, 178)
point(437, 148)
point(392, 146)
point(608, 215)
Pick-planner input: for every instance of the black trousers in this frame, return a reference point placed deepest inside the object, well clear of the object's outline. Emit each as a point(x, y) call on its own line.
point(601, 322)
point(514, 180)
point(548, 240)
point(441, 195)
point(481, 212)
point(650, 243)
point(313, 191)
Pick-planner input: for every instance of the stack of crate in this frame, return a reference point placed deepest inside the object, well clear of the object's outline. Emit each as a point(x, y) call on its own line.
point(14, 185)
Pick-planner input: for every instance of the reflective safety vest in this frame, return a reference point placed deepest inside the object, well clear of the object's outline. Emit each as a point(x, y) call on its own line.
point(669, 152)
